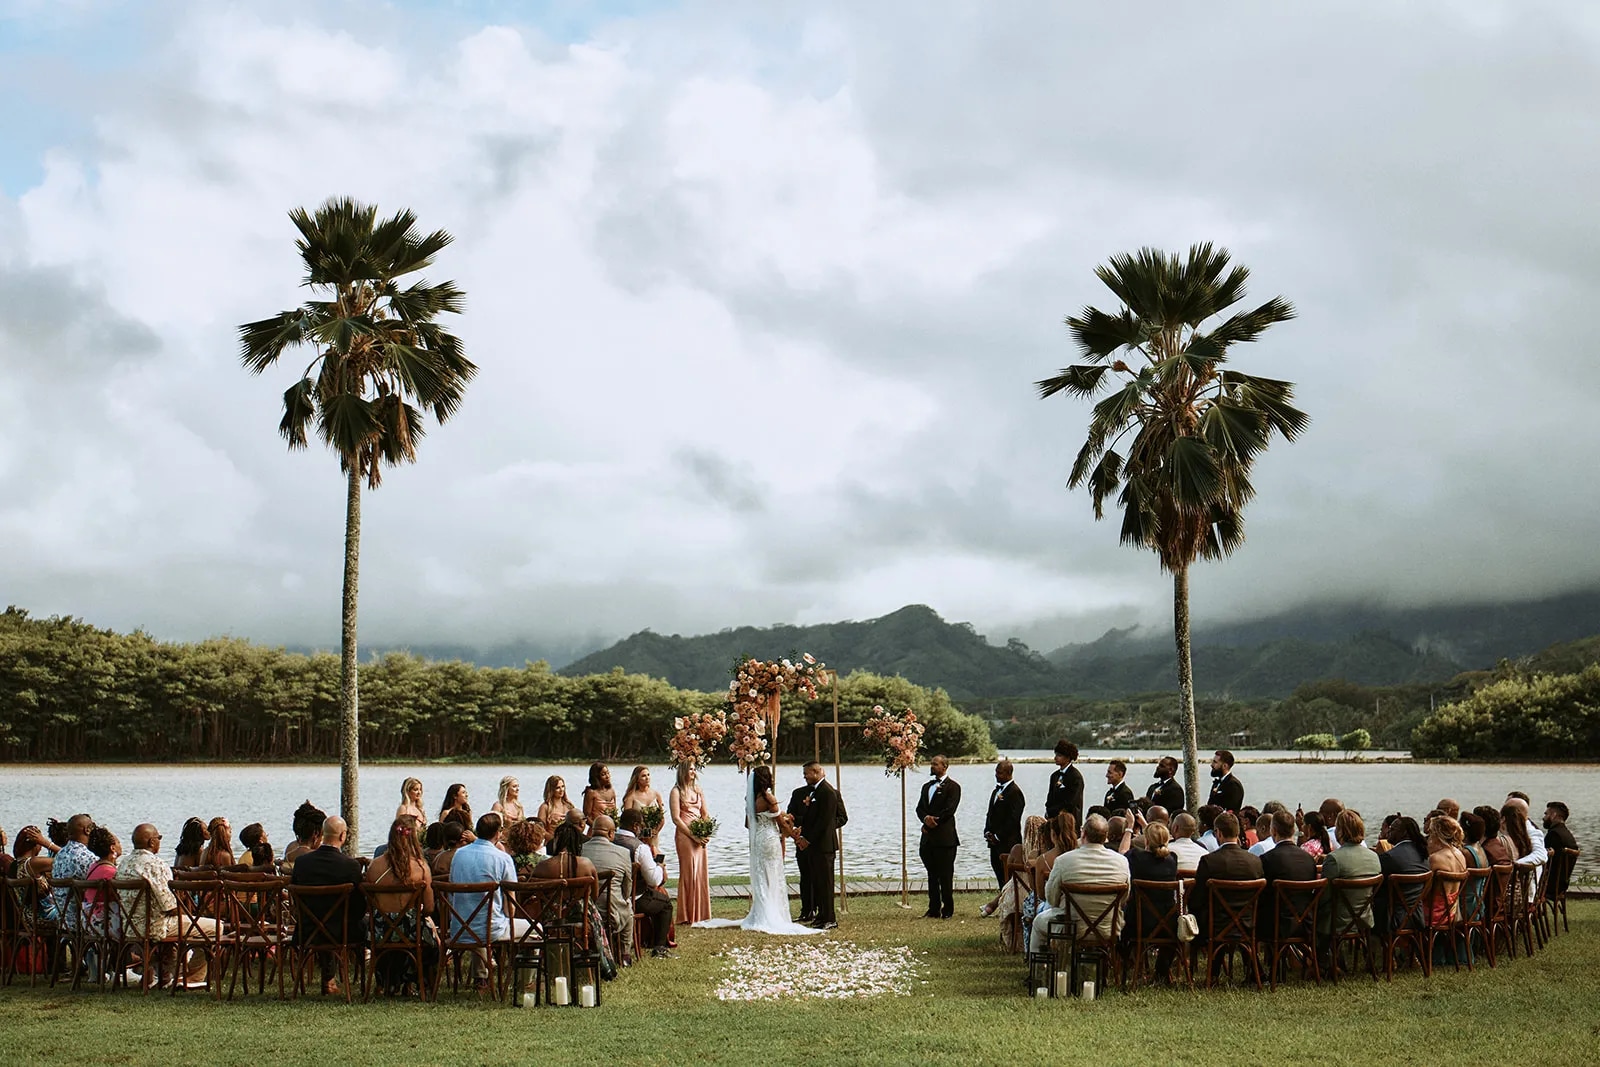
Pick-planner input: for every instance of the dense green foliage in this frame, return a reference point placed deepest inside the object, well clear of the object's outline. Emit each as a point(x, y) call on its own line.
point(71, 691)
point(1538, 716)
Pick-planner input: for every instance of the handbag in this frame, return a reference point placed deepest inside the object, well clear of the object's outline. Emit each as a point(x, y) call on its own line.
point(1188, 925)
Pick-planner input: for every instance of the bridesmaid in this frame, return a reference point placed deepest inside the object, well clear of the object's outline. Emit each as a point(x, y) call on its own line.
point(509, 803)
point(411, 801)
point(600, 797)
point(694, 887)
point(641, 796)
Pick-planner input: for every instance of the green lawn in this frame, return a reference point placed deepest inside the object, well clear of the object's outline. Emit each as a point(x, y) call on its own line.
point(972, 1009)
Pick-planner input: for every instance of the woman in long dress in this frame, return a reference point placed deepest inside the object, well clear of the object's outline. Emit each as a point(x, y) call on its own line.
point(641, 796)
point(769, 889)
point(509, 802)
point(694, 885)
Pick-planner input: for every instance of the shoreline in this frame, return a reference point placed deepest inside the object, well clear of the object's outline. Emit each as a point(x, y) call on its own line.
point(958, 761)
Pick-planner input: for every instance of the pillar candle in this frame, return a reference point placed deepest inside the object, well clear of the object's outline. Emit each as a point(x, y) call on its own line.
point(562, 995)
point(1088, 991)
point(586, 996)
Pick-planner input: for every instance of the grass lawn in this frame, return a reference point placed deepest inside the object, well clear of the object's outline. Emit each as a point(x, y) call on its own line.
point(971, 1008)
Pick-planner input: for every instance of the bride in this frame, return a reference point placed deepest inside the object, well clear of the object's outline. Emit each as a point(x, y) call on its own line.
point(769, 890)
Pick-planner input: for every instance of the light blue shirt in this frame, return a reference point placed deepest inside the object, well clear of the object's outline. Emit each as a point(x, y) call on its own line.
point(481, 862)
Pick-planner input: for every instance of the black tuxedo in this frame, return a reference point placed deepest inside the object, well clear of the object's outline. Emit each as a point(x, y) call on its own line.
point(796, 808)
point(1285, 862)
point(1559, 836)
point(1168, 793)
point(939, 842)
point(1119, 798)
point(1066, 794)
point(345, 917)
point(1002, 826)
point(1227, 793)
point(819, 811)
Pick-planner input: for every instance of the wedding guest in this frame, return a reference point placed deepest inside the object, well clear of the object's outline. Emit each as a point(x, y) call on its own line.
point(525, 842)
point(1184, 846)
point(307, 828)
point(1445, 857)
point(641, 795)
point(401, 869)
point(687, 803)
point(257, 851)
point(566, 854)
point(1091, 863)
point(1315, 839)
point(1147, 907)
point(1450, 808)
point(107, 852)
point(1288, 862)
point(936, 811)
point(553, 812)
point(72, 863)
point(1119, 831)
point(1265, 842)
point(191, 842)
point(33, 861)
point(455, 800)
point(1496, 849)
point(508, 803)
point(218, 851)
point(1208, 820)
point(599, 798)
point(411, 801)
point(611, 858)
point(327, 865)
point(1066, 785)
point(1407, 854)
point(1248, 818)
point(1229, 862)
point(452, 835)
point(650, 893)
point(1557, 834)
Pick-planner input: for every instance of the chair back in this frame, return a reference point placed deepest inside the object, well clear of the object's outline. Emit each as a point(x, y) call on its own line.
point(1439, 901)
point(393, 927)
point(1152, 921)
point(23, 892)
point(136, 906)
point(253, 906)
point(1475, 891)
point(322, 914)
point(1563, 861)
point(1407, 899)
point(1351, 912)
point(466, 912)
point(1294, 908)
point(1094, 912)
point(1231, 908)
point(1502, 880)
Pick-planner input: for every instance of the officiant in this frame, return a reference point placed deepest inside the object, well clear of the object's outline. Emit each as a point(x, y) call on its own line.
point(815, 810)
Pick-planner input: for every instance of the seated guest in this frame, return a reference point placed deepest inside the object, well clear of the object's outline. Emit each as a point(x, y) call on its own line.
point(1060, 837)
point(1352, 859)
point(1315, 839)
point(254, 839)
point(1407, 854)
point(1184, 846)
point(432, 841)
point(566, 852)
point(323, 866)
point(1249, 816)
point(1264, 839)
point(72, 863)
point(452, 835)
point(32, 861)
point(525, 845)
point(1495, 846)
point(650, 894)
point(611, 858)
point(402, 868)
point(1557, 834)
point(1146, 907)
point(1286, 862)
point(1008, 905)
point(1208, 820)
point(1229, 863)
point(1450, 808)
point(191, 842)
point(1445, 857)
point(1091, 863)
point(307, 828)
point(107, 851)
point(1142, 820)
point(218, 851)
point(1533, 853)
point(1539, 854)
point(1119, 834)
point(158, 919)
point(482, 860)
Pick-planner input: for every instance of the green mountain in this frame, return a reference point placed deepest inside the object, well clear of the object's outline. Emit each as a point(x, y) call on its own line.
point(914, 643)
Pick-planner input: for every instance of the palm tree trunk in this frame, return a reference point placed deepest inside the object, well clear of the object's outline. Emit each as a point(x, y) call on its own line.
point(1180, 633)
point(349, 700)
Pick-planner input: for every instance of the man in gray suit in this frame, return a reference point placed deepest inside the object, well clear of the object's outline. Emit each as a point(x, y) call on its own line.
point(611, 858)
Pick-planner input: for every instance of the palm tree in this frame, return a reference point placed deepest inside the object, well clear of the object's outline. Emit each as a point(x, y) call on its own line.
point(376, 350)
point(1183, 480)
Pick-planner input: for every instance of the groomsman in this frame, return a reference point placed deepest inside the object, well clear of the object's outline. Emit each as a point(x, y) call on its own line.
point(936, 809)
point(1002, 827)
point(1165, 791)
point(1118, 796)
point(1066, 785)
point(1227, 792)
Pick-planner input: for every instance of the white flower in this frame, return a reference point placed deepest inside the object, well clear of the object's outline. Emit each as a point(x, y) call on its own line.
point(809, 658)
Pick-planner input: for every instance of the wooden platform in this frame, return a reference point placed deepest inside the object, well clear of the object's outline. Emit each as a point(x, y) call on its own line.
point(862, 887)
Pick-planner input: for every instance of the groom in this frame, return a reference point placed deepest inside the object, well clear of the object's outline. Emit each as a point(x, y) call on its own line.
point(815, 841)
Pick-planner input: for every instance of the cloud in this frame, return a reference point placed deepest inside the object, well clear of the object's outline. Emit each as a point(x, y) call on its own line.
point(758, 302)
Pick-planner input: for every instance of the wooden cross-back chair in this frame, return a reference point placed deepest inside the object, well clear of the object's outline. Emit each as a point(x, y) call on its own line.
point(1293, 930)
point(1231, 908)
point(466, 929)
point(397, 936)
point(1350, 922)
point(1155, 928)
point(334, 929)
point(258, 928)
point(1406, 919)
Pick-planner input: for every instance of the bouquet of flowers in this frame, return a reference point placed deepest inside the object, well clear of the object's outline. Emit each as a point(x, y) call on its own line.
point(899, 733)
point(653, 818)
point(755, 682)
point(705, 827)
point(696, 736)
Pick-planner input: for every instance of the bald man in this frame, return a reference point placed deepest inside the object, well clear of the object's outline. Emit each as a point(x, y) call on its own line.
point(328, 865)
point(1002, 826)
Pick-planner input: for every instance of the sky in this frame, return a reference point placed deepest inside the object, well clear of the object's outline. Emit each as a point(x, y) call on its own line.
point(759, 293)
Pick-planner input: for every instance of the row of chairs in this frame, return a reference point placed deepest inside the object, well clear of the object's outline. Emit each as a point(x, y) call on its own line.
point(256, 925)
point(1486, 910)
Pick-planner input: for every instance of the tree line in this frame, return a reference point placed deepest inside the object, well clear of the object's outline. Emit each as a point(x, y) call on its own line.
point(70, 691)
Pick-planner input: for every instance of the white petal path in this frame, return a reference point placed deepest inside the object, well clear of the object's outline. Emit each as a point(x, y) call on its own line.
point(828, 970)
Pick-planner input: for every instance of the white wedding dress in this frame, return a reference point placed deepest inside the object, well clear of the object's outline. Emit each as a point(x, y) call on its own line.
point(769, 890)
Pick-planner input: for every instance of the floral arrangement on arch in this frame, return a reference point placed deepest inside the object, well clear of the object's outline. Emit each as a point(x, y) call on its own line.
point(899, 733)
point(695, 737)
point(754, 692)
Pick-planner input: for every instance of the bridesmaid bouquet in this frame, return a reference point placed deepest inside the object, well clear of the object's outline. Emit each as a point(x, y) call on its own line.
point(695, 737)
point(755, 683)
point(653, 818)
point(705, 827)
point(899, 733)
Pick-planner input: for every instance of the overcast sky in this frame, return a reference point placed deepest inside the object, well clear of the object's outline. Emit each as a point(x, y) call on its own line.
point(758, 302)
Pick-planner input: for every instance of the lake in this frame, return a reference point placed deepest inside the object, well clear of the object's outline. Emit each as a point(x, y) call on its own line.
point(121, 796)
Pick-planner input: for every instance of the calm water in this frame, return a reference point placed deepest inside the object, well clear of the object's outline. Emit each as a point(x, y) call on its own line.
point(121, 796)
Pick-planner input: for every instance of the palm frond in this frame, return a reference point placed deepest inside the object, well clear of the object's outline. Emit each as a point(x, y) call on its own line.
point(1099, 335)
point(1193, 475)
point(1248, 325)
point(1078, 380)
point(262, 342)
point(1234, 430)
point(1271, 397)
point(299, 408)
